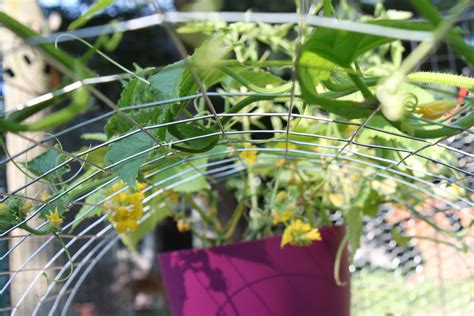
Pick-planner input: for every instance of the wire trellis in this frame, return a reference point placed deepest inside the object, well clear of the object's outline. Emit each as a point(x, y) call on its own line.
point(65, 272)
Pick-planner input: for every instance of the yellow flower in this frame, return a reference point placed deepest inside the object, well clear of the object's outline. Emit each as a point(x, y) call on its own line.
point(282, 145)
point(434, 110)
point(336, 199)
point(26, 207)
point(299, 234)
point(250, 156)
point(282, 217)
point(126, 226)
point(183, 225)
point(54, 218)
point(281, 196)
point(125, 209)
point(141, 186)
point(44, 196)
point(280, 162)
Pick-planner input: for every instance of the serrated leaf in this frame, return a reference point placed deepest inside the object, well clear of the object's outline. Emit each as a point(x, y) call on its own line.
point(8, 215)
point(167, 83)
point(118, 125)
point(137, 92)
point(46, 162)
point(148, 225)
point(122, 149)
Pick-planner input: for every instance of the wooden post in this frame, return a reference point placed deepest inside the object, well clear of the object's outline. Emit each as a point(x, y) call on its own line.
point(24, 76)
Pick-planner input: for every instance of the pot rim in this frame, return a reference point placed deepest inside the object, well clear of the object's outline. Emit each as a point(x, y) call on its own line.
point(323, 230)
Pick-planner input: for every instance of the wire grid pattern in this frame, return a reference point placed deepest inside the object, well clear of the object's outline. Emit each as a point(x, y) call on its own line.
point(98, 241)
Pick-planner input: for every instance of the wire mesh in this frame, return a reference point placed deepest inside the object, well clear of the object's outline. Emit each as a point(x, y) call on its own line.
point(420, 276)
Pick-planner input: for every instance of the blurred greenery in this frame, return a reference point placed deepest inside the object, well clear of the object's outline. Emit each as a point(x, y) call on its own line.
point(388, 293)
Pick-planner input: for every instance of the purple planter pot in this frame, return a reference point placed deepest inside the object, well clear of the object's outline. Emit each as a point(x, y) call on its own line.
point(258, 278)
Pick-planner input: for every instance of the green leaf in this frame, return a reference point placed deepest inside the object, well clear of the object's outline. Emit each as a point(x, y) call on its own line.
point(98, 6)
point(45, 162)
point(122, 149)
point(342, 47)
point(185, 131)
point(10, 213)
point(366, 202)
point(254, 80)
point(148, 225)
point(96, 157)
point(347, 109)
point(96, 211)
point(138, 92)
point(167, 83)
point(324, 49)
point(312, 69)
point(354, 223)
point(257, 77)
point(192, 180)
point(118, 125)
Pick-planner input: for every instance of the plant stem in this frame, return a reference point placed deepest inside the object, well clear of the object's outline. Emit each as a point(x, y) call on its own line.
point(35, 231)
point(201, 212)
point(362, 86)
point(337, 261)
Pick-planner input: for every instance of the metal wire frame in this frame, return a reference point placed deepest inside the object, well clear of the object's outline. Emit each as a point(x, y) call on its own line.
point(229, 17)
point(158, 103)
point(394, 163)
point(174, 183)
point(300, 134)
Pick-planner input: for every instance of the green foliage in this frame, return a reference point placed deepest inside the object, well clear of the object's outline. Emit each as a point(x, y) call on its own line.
point(137, 92)
point(96, 7)
point(46, 162)
point(198, 135)
point(172, 82)
point(91, 207)
point(11, 213)
point(337, 72)
point(123, 150)
point(341, 47)
point(378, 292)
point(181, 173)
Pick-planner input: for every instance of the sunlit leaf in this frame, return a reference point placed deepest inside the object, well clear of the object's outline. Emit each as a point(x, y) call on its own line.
point(125, 148)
